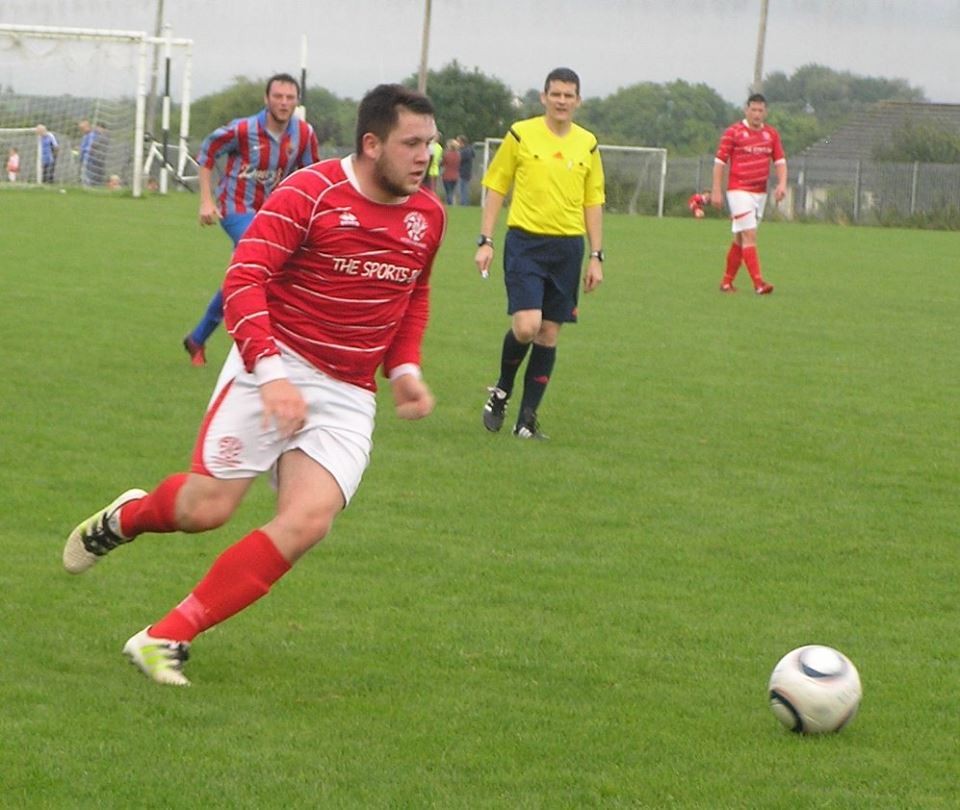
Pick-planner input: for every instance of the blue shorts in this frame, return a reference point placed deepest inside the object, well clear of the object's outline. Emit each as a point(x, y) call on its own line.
point(543, 272)
point(236, 225)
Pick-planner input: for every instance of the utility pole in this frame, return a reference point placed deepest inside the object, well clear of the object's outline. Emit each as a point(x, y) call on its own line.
point(757, 86)
point(424, 48)
point(152, 95)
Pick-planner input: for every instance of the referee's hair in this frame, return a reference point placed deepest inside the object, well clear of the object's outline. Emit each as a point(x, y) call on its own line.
point(378, 112)
point(562, 74)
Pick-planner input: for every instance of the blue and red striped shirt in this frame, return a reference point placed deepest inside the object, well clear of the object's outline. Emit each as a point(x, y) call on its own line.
point(257, 160)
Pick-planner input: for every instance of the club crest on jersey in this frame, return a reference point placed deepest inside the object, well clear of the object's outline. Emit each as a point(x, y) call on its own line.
point(349, 220)
point(228, 452)
point(416, 225)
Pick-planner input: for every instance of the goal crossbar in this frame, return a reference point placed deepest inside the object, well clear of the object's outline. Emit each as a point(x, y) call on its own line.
point(142, 41)
point(490, 144)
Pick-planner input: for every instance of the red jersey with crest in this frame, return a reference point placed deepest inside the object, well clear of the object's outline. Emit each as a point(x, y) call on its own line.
point(340, 279)
point(749, 153)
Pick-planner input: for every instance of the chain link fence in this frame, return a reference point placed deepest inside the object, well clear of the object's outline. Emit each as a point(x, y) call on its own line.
point(832, 190)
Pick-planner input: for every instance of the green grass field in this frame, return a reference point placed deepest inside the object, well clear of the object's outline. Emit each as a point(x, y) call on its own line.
point(585, 622)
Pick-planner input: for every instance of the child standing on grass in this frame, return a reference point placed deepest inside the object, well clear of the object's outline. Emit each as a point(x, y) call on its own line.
point(13, 164)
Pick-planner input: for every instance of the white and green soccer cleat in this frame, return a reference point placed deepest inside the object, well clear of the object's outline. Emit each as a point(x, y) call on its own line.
point(96, 537)
point(160, 659)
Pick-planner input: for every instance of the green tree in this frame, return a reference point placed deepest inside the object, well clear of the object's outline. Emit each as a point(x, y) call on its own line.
point(684, 118)
point(925, 143)
point(331, 117)
point(832, 95)
point(468, 102)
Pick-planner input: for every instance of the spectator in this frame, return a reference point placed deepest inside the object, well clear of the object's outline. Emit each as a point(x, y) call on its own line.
point(466, 168)
point(13, 164)
point(49, 149)
point(450, 169)
point(433, 170)
point(91, 154)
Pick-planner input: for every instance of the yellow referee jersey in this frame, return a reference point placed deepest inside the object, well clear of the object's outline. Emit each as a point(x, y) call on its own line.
point(553, 178)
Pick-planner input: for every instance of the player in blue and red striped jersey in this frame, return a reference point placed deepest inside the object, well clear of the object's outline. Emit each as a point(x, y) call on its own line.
point(749, 147)
point(260, 150)
point(330, 284)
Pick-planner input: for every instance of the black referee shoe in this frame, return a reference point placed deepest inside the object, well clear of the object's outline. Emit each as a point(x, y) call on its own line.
point(495, 409)
point(528, 427)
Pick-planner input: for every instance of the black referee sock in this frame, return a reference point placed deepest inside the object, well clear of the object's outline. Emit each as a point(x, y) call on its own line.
point(537, 376)
point(510, 359)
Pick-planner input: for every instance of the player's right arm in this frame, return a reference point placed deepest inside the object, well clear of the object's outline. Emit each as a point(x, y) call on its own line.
point(721, 159)
point(218, 142)
point(209, 212)
point(716, 198)
point(488, 221)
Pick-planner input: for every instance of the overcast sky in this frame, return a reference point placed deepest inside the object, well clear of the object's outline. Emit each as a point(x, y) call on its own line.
point(354, 44)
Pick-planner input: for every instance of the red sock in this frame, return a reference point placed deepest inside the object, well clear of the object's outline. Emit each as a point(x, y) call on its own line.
point(734, 256)
point(237, 579)
point(155, 511)
point(752, 261)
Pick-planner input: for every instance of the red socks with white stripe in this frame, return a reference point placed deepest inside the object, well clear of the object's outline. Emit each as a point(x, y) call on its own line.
point(238, 577)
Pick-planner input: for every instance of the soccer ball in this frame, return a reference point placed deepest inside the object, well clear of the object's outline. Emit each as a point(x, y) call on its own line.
point(814, 690)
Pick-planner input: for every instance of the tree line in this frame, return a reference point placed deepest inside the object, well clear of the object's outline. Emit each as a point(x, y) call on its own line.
point(685, 118)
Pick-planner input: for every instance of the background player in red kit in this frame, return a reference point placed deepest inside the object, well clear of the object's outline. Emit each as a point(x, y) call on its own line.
point(697, 202)
point(330, 281)
point(749, 147)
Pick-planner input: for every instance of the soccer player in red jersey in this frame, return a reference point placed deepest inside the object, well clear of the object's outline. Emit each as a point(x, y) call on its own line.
point(697, 202)
point(330, 282)
point(748, 147)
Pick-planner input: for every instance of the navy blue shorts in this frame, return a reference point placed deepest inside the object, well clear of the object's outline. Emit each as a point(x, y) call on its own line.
point(543, 272)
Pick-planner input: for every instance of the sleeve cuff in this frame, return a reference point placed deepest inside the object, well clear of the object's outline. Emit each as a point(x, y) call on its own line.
point(269, 368)
point(405, 368)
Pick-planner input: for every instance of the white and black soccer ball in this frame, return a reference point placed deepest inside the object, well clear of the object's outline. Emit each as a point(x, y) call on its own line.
point(815, 690)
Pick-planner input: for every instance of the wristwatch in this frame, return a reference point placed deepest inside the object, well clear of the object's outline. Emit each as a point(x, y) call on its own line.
point(484, 240)
point(597, 254)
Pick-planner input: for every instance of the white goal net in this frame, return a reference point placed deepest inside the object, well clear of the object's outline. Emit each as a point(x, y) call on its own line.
point(80, 82)
point(635, 176)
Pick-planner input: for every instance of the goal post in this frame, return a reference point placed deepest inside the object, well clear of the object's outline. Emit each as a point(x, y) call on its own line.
point(58, 77)
point(635, 176)
point(27, 143)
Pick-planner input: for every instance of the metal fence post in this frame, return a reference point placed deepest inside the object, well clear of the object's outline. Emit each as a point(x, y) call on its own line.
point(913, 188)
point(856, 192)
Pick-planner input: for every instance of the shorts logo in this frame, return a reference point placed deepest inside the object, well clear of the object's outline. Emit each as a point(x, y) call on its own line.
point(416, 225)
point(229, 449)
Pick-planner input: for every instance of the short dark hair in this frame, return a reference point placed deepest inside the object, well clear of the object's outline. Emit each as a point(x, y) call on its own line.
point(757, 98)
point(378, 113)
point(562, 74)
point(283, 78)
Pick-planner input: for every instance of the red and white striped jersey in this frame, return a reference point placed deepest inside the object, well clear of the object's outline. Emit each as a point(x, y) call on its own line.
point(340, 279)
point(749, 153)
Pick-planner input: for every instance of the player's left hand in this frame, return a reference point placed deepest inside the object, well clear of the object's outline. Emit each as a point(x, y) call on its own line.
point(411, 397)
point(779, 193)
point(594, 275)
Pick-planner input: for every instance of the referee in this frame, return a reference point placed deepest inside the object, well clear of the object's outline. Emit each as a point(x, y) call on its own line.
point(555, 170)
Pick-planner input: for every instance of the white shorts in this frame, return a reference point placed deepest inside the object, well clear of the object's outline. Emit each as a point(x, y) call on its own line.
point(746, 209)
point(338, 433)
